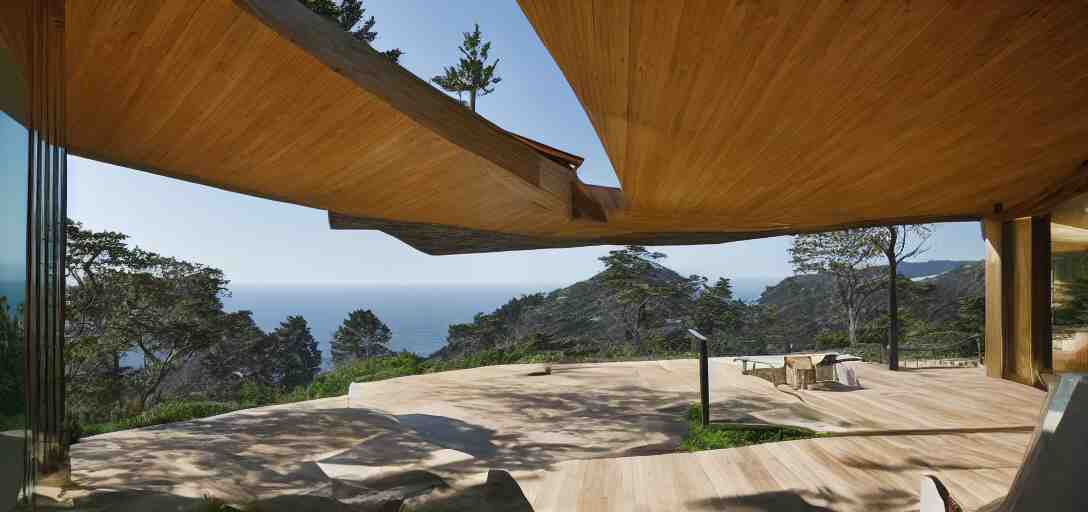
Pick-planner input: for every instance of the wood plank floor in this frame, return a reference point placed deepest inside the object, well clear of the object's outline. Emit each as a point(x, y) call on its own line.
point(601, 437)
point(601, 412)
point(840, 474)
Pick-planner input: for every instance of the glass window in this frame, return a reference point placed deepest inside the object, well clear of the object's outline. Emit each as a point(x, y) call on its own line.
point(13, 216)
point(1069, 285)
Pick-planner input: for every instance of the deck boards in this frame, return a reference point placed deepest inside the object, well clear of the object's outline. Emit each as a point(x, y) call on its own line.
point(605, 411)
point(601, 437)
point(841, 474)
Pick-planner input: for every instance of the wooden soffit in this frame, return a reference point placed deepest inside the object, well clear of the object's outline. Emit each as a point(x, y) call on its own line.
point(741, 115)
point(723, 120)
point(266, 98)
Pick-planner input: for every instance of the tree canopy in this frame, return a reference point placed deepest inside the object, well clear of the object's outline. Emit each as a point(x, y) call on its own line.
point(12, 398)
point(897, 244)
point(139, 322)
point(625, 272)
point(845, 255)
point(298, 358)
point(716, 311)
point(350, 15)
point(362, 336)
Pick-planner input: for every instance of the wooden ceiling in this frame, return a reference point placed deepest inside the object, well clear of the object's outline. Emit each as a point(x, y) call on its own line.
point(723, 120)
point(810, 114)
point(266, 98)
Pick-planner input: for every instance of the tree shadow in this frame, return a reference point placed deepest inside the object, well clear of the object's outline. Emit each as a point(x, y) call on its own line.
point(805, 500)
point(242, 456)
point(499, 417)
point(452, 433)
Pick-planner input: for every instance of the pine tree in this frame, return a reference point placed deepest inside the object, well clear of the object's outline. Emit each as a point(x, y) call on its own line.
point(715, 310)
point(626, 274)
point(472, 75)
point(361, 336)
point(298, 360)
point(348, 14)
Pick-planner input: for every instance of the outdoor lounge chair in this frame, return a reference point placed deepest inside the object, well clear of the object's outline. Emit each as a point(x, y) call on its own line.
point(1052, 476)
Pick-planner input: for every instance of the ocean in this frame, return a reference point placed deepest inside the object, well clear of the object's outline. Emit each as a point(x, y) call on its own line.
point(13, 291)
point(418, 315)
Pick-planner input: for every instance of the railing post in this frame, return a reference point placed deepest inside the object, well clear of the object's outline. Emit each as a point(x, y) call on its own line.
point(704, 378)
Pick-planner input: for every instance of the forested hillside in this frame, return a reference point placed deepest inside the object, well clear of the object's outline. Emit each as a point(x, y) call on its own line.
point(799, 313)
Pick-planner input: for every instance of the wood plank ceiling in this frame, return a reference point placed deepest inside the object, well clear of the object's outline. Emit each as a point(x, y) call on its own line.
point(723, 120)
point(810, 114)
point(266, 98)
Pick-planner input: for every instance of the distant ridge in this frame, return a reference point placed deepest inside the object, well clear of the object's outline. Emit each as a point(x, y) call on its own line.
point(914, 269)
point(803, 307)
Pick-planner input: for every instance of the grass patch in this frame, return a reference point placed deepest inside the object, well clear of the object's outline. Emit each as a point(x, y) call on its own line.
point(714, 437)
point(17, 422)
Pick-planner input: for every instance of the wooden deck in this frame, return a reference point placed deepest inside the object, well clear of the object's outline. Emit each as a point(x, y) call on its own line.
point(600, 437)
point(602, 412)
point(841, 474)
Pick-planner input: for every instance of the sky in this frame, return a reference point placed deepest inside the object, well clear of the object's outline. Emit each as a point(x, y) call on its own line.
point(257, 240)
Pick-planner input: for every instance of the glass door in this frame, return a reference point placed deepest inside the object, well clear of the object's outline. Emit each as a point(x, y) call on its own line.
point(13, 236)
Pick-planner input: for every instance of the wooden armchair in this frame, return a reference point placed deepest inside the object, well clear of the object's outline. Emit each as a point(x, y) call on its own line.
point(800, 372)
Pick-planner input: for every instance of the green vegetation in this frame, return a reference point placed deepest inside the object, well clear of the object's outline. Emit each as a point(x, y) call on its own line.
point(11, 368)
point(472, 74)
point(361, 336)
point(714, 437)
point(200, 360)
point(337, 381)
point(638, 298)
point(350, 16)
point(125, 301)
point(849, 256)
point(12, 422)
point(166, 412)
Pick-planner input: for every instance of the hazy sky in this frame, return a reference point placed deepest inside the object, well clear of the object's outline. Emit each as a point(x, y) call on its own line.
point(256, 240)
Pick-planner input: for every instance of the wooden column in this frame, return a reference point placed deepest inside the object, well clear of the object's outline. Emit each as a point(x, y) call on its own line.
point(996, 307)
point(1018, 329)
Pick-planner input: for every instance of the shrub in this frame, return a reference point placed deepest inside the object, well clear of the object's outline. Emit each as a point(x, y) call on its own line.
point(254, 394)
point(832, 339)
point(337, 381)
point(166, 412)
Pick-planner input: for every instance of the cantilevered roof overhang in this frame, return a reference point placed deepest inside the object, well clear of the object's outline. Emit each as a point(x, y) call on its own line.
point(724, 121)
point(722, 115)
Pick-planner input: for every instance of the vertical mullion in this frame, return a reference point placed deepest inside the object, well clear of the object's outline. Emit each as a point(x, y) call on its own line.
point(47, 242)
point(60, 227)
point(35, 230)
point(29, 364)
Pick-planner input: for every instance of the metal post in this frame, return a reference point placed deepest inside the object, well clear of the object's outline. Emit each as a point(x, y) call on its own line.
point(704, 377)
